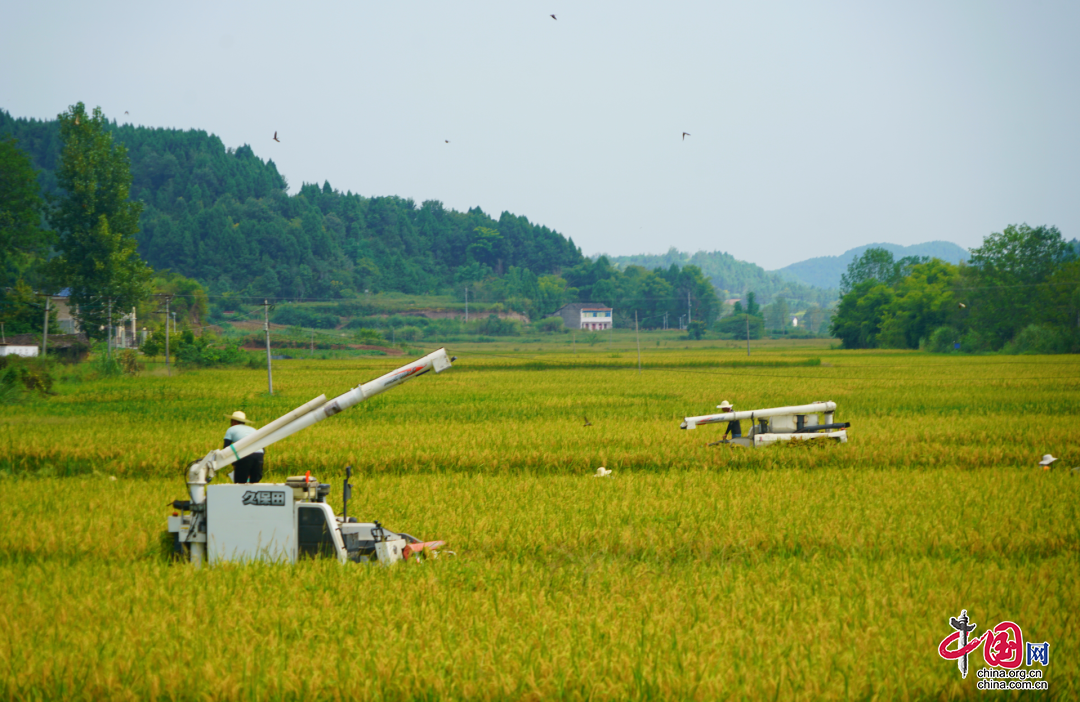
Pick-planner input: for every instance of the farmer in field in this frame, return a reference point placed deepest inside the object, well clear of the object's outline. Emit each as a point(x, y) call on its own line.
point(733, 427)
point(249, 468)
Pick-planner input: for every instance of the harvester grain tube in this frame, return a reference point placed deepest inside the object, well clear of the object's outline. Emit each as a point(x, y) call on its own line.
point(200, 471)
point(437, 361)
point(693, 422)
point(273, 426)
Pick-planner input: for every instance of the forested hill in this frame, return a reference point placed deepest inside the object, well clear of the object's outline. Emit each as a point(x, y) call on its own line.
point(224, 217)
point(736, 277)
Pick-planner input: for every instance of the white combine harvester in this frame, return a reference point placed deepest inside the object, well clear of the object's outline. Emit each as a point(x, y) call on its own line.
point(282, 522)
point(768, 426)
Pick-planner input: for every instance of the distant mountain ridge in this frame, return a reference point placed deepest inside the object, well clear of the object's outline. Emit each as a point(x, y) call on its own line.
point(733, 277)
point(825, 271)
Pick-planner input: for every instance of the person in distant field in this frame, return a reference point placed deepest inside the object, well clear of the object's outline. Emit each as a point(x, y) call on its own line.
point(249, 468)
point(733, 427)
point(1047, 461)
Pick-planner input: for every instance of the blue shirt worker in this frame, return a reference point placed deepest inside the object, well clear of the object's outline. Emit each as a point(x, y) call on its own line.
point(248, 469)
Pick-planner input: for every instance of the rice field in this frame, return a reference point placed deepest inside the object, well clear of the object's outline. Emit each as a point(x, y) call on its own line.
point(694, 572)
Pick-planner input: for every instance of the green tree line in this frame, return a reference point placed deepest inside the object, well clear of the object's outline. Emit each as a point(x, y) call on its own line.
point(1019, 292)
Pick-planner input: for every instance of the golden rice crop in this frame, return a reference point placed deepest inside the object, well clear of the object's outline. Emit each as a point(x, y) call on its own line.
point(688, 585)
point(513, 412)
point(824, 572)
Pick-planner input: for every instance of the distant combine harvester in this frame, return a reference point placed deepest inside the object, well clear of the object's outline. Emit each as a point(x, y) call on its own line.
point(768, 426)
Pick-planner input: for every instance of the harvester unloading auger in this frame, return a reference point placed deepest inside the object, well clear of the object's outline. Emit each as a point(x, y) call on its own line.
point(286, 521)
point(770, 425)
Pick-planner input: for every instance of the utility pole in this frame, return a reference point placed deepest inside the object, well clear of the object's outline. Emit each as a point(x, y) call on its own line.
point(266, 328)
point(466, 305)
point(747, 335)
point(109, 346)
point(167, 300)
point(45, 330)
point(688, 317)
point(637, 336)
point(134, 334)
point(313, 343)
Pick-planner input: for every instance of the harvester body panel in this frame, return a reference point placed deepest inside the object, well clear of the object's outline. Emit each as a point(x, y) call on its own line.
point(250, 523)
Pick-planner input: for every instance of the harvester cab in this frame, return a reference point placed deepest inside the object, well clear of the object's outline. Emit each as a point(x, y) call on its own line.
point(779, 424)
point(283, 522)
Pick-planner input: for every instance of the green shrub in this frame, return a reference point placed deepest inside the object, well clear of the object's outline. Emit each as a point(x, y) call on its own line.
point(551, 325)
point(941, 340)
point(153, 346)
point(496, 326)
point(368, 336)
point(202, 351)
point(291, 315)
point(29, 375)
point(734, 327)
point(1038, 339)
point(129, 362)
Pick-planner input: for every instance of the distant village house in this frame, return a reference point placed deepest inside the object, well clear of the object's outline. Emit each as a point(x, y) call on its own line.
point(591, 316)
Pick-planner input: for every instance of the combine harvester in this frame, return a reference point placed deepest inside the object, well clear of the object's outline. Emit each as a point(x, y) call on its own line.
point(768, 426)
point(282, 522)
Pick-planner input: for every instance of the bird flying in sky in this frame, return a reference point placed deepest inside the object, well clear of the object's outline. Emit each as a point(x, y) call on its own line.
point(684, 135)
point(276, 139)
point(554, 17)
point(446, 140)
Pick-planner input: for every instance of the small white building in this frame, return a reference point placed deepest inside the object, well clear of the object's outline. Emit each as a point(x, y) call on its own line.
point(596, 318)
point(592, 316)
point(19, 350)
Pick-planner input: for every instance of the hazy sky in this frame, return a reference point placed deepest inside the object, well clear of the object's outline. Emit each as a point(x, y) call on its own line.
point(815, 126)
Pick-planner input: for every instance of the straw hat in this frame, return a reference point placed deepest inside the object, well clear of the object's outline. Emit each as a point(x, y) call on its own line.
point(725, 405)
point(602, 472)
point(238, 416)
point(1047, 460)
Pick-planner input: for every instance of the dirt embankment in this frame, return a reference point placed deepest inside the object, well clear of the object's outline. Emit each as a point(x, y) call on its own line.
point(299, 346)
point(451, 314)
point(251, 325)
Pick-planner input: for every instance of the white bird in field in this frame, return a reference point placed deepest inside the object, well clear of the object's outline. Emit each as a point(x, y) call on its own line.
point(602, 472)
